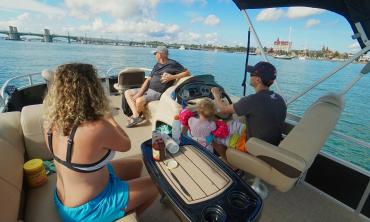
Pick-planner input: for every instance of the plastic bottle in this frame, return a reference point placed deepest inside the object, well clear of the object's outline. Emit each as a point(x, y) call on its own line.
point(158, 147)
point(170, 144)
point(176, 129)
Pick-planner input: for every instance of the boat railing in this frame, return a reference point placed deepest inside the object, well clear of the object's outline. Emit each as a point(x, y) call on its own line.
point(28, 77)
point(31, 81)
point(292, 118)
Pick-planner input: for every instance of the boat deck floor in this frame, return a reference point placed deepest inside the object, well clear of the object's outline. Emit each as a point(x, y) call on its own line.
point(302, 203)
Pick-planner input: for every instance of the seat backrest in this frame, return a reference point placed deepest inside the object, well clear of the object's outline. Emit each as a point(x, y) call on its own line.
point(32, 126)
point(11, 165)
point(131, 77)
point(309, 135)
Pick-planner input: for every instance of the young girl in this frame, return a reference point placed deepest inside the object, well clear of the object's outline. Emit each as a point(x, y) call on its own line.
point(204, 128)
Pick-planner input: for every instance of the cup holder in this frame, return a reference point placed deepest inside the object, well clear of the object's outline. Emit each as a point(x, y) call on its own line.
point(239, 200)
point(214, 214)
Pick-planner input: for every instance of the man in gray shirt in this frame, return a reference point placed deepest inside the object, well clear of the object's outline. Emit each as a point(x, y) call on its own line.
point(163, 75)
point(265, 111)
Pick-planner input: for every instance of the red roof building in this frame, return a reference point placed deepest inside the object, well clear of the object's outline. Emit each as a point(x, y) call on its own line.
point(282, 45)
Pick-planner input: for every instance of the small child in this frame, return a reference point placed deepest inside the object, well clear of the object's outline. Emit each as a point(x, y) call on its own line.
point(200, 129)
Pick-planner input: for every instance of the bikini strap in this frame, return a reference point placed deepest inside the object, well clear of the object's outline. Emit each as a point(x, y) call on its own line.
point(50, 141)
point(70, 144)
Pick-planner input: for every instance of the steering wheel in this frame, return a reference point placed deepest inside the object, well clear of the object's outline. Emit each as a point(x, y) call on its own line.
point(220, 115)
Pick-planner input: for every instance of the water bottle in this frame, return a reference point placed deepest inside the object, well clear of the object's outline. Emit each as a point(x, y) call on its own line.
point(176, 129)
point(171, 146)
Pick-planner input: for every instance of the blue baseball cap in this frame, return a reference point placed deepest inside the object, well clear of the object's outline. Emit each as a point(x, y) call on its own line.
point(265, 70)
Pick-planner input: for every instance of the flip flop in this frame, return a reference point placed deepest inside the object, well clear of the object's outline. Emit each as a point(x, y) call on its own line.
point(135, 121)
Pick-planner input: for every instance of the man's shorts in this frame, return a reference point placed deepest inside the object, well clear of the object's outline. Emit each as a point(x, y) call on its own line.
point(109, 205)
point(149, 95)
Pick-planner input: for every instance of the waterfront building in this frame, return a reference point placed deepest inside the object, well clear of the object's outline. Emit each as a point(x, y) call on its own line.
point(282, 45)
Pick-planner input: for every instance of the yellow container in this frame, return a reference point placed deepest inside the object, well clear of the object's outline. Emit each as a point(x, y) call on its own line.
point(35, 172)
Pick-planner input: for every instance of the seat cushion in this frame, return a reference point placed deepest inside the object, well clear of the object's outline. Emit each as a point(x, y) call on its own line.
point(40, 203)
point(11, 179)
point(32, 126)
point(11, 130)
point(128, 218)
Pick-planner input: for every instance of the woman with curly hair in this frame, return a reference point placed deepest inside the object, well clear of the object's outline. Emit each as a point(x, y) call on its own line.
point(83, 138)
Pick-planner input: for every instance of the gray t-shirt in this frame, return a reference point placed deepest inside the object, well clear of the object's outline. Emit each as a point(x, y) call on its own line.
point(171, 67)
point(265, 113)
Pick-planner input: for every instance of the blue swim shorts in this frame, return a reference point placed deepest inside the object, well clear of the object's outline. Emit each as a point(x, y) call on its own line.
point(109, 205)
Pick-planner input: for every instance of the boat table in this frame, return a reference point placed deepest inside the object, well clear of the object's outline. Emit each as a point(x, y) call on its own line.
point(202, 187)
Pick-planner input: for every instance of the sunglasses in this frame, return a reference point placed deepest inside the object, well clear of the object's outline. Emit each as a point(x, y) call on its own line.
point(254, 74)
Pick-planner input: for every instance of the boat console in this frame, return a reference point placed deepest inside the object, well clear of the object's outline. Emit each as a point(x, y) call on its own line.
point(197, 87)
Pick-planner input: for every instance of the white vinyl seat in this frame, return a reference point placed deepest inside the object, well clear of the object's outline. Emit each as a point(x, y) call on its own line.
point(129, 78)
point(282, 165)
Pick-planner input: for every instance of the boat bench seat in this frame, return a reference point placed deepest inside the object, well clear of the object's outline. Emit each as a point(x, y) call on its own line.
point(282, 165)
point(21, 139)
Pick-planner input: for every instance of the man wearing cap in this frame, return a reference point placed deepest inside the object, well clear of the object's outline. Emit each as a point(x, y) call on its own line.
point(163, 75)
point(265, 110)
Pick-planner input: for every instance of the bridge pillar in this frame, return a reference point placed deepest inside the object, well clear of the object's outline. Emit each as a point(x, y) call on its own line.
point(47, 36)
point(13, 33)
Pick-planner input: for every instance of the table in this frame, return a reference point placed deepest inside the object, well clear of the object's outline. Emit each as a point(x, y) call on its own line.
point(202, 187)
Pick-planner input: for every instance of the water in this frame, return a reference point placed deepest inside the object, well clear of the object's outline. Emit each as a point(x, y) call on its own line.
point(18, 58)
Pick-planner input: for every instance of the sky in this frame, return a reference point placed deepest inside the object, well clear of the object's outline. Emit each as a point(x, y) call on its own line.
point(217, 22)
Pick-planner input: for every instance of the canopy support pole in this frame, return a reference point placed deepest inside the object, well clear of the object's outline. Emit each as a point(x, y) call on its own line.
point(244, 83)
point(261, 48)
point(363, 72)
point(338, 68)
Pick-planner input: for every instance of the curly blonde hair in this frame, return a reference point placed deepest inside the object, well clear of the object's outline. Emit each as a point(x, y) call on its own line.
point(75, 96)
point(207, 108)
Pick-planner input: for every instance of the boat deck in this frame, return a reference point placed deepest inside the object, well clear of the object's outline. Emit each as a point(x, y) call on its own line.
point(302, 203)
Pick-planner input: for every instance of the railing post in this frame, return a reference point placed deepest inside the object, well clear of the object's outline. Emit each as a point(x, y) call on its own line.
point(30, 80)
point(335, 70)
point(2, 101)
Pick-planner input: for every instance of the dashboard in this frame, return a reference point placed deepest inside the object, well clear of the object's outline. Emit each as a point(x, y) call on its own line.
point(193, 91)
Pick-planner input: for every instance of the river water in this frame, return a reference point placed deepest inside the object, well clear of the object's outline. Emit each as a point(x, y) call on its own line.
point(18, 58)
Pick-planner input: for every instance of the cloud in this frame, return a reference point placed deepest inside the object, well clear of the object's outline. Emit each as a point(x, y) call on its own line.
point(211, 38)
point(197, 19)
point(300, 12)
point(120, 9)
point(32, 6)
point(354, 47)
point(197, 38)
point(273, 14)
point(147, 27)
point(311, 23)
point(191, 2)
point(97, 25)
point(211, 20)
point(270, 14)
point(21, 20)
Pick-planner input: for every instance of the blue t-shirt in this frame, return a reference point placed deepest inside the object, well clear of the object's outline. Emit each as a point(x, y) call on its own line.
point(171, 67)
point(265, 114)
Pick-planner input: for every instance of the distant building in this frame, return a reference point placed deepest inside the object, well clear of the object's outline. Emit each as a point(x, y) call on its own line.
point(282, 45)
point(364, 58)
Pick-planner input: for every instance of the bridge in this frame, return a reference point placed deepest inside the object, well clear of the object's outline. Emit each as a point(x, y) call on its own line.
point(14, 34)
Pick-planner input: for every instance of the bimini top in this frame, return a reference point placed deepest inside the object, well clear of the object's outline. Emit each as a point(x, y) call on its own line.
point(353, 10)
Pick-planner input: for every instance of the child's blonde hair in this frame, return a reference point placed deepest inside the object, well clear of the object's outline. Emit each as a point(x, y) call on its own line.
point(207, 108)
